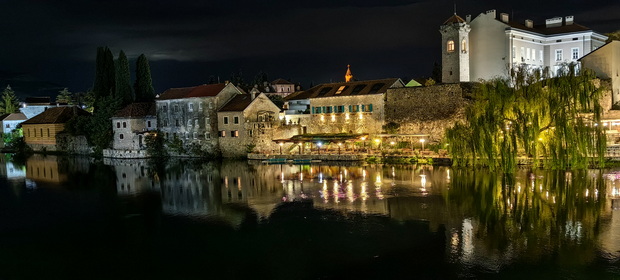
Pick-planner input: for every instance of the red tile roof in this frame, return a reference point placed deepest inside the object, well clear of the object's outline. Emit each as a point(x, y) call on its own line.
point(57, 115)
point(188, 92)
point(454, 19)
point(544, 30)
point(348, 89)
point(138, 110)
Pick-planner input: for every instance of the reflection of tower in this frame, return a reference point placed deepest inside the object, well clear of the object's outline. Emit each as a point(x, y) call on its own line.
point(455, 50)
point(348, 77)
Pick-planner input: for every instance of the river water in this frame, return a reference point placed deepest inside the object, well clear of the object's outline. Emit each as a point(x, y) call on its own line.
point(77, 218)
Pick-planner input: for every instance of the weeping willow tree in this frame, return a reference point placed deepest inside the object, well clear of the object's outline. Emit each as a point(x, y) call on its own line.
point(533, 115)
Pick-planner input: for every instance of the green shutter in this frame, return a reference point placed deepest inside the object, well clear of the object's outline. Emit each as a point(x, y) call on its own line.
point(369, 107)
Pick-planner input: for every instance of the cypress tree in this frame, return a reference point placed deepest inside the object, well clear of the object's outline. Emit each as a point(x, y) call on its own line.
point(144, 85)
point(123, 80)
point(104, 73)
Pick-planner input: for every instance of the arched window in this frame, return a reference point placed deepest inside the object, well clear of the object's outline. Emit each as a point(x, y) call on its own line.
point(450, 46)
point(463, 46)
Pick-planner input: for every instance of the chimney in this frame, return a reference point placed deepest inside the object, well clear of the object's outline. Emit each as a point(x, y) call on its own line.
point(569, 20)
point(491, 12)
point(553, 22)
point(504, 17)
point(529, 23)
point(468, 18)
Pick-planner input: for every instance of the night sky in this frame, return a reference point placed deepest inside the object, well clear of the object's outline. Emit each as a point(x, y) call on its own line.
point(304, 41)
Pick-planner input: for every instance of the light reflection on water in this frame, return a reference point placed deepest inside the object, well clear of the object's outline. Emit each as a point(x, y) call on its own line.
point(490, 220)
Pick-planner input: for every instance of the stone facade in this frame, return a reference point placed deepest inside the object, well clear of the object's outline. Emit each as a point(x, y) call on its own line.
point(426, 110)
point(605, 61)
point(455, 50)
point(353, 119)
point(249, 121)
point(190, 114)
point(132, 124)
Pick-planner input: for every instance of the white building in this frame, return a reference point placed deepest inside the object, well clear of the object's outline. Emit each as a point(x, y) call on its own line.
point(495, 44)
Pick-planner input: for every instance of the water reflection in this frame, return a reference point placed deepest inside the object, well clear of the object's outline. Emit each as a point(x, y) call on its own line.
point(491, 221)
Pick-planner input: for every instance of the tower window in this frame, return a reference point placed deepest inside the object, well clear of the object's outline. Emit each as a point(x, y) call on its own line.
point(450, 46)
point(464, 46)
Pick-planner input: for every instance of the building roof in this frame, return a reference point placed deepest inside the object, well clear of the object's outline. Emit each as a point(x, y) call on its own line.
point(281, 82)
point(238, 103)
point(56, 115)
point(346, 89)
point(13, 117)
point(137, 110)
point(188, 92)
point(454, 19)
point(544, 30)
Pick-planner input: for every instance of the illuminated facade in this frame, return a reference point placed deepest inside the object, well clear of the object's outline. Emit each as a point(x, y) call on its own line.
point(496, 44)
point(190, 114)
point(349, 107)
point(247, 120)
point(40, 131)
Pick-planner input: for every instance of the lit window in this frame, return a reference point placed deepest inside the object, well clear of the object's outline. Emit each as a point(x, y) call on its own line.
point(463, 46)
point(558, 55)
point(222, 133)
point(340, 89)
point(234, 133)
point(450, 46)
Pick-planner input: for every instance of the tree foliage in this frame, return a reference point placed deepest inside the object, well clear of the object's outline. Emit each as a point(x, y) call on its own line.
point(143, 86)
point(532, 115)
point(104, 73)
point(65, 96)
point(9, 102)
point(613, 36)
point(123, 80)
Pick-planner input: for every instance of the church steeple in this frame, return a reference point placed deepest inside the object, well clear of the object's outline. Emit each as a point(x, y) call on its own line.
point(348, 76)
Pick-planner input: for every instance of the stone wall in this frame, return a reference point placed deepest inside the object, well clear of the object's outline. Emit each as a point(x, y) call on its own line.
point(426, 110)
point(73, 144)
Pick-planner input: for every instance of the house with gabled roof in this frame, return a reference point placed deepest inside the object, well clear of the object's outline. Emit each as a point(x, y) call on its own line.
point(348, 107)
point(41, 131)
point(9, 123)
point(131, 125)
point(189, 115)
point(491, 44)
point(247, 121)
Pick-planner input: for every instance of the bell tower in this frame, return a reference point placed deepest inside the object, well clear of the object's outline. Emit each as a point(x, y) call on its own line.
point(455, 50)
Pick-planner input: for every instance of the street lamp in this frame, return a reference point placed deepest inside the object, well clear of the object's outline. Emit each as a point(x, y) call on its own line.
point(319, 147)
point(422, 141)
point(339, 144)
point(281, 147)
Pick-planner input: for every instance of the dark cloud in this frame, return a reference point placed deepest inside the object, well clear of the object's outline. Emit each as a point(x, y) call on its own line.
point(187, 41)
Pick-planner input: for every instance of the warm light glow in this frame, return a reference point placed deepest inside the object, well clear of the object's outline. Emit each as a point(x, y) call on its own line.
point(319, 144)
point(280, 143)
point(422, 140)
point(363, 138)
point(377, 140)
point(346, 116)
point(323, 118)
point(392, 143)
point(333, 118)
point(361, 116)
